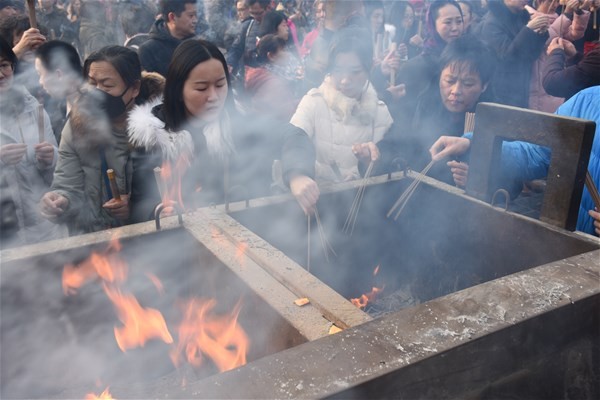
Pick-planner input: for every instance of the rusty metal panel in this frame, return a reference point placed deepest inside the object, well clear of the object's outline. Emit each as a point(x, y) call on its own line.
point(570, 140)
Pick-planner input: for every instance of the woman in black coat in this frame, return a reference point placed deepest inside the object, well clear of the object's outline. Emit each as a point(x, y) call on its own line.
point(518, 42)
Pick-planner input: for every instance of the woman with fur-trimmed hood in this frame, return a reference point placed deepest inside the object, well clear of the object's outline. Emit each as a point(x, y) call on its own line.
point(197, 133)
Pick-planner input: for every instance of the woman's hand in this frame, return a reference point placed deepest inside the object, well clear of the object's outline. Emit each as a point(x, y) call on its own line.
point(306, 191)
point(12, 153)
point(571, 6)
point(596, 216)
point(398, 91)
point(119, 209)
point(53, 205)
point(447, 146)
point(539, 23)
point(44, 153)
point(548, 6)
point(416, 41)
point(460, 172)
point(390, 63)
point(563, 44)
point(366, 152)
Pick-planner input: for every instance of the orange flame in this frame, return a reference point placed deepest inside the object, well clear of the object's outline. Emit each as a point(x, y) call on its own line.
point(106, 265)
point(139, 324)
point(105, 395)
point(364, 299)
point(219, 338)
point(171, 177)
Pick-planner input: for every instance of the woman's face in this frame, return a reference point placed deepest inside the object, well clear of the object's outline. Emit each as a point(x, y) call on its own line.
point(102, 75)
point(6, 74)
point(283, 30)
point(349, 75)
point(460, 87)
point(449, 23)
point(377, 20)
point(205, 91)
point(409, 18)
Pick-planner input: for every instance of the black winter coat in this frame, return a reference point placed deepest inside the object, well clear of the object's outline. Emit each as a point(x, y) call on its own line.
point(517, 48)
point(156, 52)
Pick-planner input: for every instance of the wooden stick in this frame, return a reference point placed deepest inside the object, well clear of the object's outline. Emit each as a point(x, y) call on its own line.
point(41, 123)
point(308, 244)
point(32, 19)
point(591, 187)
point(113, 184)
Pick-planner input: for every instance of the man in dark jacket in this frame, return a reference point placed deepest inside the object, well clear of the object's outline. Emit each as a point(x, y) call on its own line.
point(178, 22)
point(518, 41)
point(239, 54)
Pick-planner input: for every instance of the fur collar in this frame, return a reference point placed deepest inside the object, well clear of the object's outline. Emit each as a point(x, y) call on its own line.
point(345, 108)
point(148, 131)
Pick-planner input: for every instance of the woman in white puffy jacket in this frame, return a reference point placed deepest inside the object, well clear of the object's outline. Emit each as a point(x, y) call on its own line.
point(343, 117)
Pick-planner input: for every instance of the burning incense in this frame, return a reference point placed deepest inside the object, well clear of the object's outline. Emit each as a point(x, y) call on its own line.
point(32, 18)
point(591, 187)
point(113, 184)
point(324, 241)
point(405, 197)
point(353, 214)
point(41, 123)
point(379, 46)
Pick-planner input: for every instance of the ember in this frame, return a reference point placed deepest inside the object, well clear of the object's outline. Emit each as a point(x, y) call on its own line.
point(364, 299)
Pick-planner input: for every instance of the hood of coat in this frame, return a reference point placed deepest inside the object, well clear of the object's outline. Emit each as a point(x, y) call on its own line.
point(159, 31)
point(346, 108)
point(147, 130)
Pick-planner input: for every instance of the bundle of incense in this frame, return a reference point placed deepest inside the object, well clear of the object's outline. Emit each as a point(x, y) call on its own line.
point(352, 216)
point(32, 18)
point(113, 184)
point(41, 122)
point(162, 185)
point(469, 122)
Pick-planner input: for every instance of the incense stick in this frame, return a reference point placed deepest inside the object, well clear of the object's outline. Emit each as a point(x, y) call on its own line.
point(407, 194)
point(591, 187)
point(31, 10)
point(353, 214)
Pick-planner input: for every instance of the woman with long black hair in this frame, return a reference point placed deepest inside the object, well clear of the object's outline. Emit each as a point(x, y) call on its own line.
point(197, 131)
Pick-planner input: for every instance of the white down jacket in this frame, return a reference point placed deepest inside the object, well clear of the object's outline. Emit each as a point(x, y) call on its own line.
point(335, 122)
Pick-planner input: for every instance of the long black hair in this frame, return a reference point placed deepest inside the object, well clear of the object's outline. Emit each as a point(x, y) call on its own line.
point(186, 57)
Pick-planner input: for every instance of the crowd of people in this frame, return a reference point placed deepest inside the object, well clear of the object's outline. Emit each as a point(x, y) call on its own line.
point(101, 99)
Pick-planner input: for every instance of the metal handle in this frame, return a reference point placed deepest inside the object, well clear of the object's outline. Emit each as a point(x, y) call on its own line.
point(159, 208)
